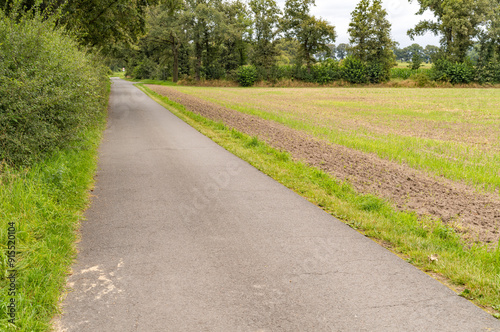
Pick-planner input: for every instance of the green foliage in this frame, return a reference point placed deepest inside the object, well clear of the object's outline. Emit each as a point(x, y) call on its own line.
point(49, 89)
point(458, 22)
point(455, 73)
point(376, 72)
point(406, 73)
point(143, 69)
point(204, 39)
point(247, 75)
point(45, 203)
point(322, 72)
point(342, 51)
point(489, 71)
point(265, 25)
point(97, 23)
point(214, 71)
point(354, 70)
point(326, 72)
point(313, 34)
point(416, 61)
point(406, 54)
point(370, 37)
point(421, 78)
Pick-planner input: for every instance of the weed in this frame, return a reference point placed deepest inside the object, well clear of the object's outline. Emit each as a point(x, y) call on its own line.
point(253, 142)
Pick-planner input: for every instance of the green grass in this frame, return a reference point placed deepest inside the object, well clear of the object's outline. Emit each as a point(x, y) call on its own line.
point(119, 74)
point(401, 64)
point(45, 203)
point(453, 133)
point(157, 82)
point(472, 269)
point(406, 73)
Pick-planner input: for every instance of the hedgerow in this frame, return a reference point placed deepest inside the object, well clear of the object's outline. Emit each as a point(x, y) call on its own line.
point(49, 89)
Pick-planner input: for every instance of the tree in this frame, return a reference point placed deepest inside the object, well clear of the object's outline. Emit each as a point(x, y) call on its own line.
point(457, 21)
point(489, 38)
point(97, 23)
point(207, 26)
point(236, 43)
point(416, 61)
point(313, 34)
point(342, 50)
point(265, 28)
point(166, 27)
point(431, 52)
point(288, 49)
point(400, 53)
point(370, 37)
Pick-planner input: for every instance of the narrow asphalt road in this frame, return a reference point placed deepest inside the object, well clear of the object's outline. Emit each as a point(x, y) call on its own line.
point(184, 236)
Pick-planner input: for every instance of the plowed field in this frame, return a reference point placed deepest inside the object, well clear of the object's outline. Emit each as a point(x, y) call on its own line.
point(432, 151)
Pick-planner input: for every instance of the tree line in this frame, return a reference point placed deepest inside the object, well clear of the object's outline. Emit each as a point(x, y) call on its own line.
point(214, 39)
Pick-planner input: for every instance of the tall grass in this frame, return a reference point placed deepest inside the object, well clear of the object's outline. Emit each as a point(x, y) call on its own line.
point(45, 203)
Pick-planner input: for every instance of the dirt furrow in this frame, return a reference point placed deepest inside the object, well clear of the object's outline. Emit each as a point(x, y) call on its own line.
point(475, 215)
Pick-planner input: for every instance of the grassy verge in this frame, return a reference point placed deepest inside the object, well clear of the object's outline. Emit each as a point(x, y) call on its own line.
point(156, 82)
point(473, 271)
point(42, 206)
point(119, 74)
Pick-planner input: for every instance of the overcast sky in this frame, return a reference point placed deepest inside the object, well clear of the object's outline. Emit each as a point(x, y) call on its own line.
point(400, 13)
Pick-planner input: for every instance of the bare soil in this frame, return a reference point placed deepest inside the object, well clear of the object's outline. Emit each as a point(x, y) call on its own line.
point(475, 215)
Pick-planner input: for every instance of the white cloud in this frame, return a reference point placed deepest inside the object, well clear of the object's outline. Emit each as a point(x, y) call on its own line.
point(400, 13)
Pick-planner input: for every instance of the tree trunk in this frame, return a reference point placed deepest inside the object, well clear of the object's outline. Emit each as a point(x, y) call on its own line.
point(198, 60)
point(175, 51)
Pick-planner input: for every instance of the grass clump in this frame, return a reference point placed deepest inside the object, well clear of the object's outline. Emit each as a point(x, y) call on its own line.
point(475, 268)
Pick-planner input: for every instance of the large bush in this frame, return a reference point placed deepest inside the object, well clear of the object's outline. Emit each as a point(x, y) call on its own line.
point(247, 75)
point(488, 70)
point(377, 72)
point(354, 70)
point(454, 72)
point(49, 89)
point(326, 72)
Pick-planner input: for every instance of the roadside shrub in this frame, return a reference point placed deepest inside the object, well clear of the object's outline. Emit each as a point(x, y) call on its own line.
point(455, 73)
point(143, 69)
point(213, 72)
point(377, 73)
point(247, 75)
point(489, 71)
point(421, 78)
point(353, 70)
point(326, 72)
point(49, 90)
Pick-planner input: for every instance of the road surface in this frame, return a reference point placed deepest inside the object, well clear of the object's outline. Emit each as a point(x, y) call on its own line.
point(183, 236)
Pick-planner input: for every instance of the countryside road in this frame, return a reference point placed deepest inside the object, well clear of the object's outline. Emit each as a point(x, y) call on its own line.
point(183, 236)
